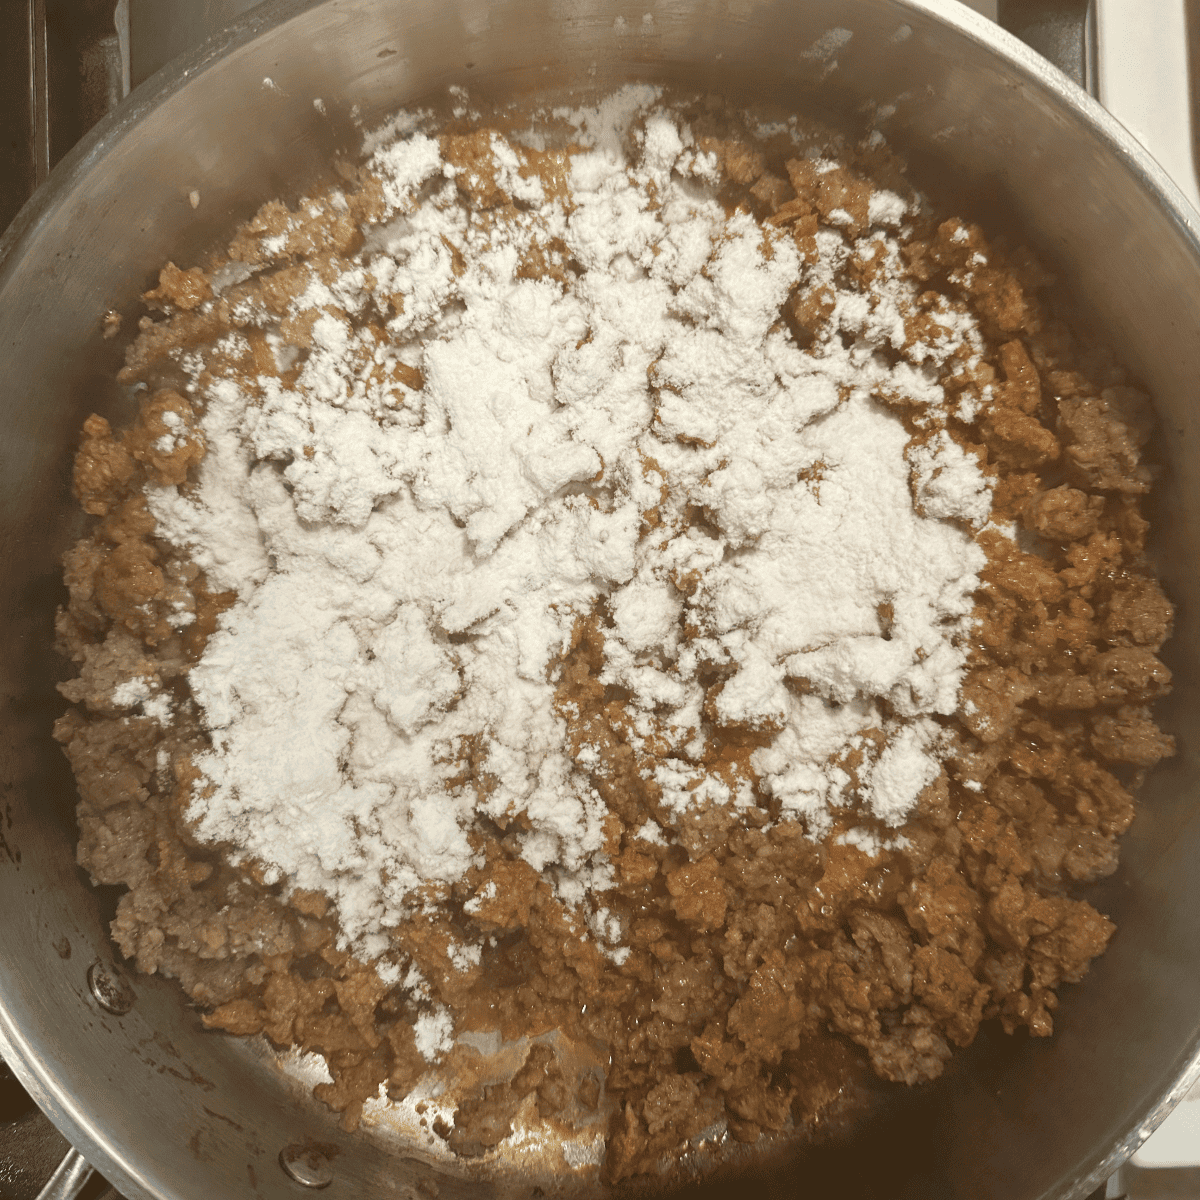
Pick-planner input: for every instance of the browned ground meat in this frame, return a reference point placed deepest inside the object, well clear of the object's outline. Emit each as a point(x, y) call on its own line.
point(766, 969)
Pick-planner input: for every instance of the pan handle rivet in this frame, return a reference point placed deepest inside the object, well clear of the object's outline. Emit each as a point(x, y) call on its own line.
point(110, 988)
point(307, 1166)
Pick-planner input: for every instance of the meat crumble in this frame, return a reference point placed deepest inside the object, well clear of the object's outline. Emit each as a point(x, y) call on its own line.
point(767, 972)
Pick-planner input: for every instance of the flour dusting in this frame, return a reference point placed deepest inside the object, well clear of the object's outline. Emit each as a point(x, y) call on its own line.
point(632, 434)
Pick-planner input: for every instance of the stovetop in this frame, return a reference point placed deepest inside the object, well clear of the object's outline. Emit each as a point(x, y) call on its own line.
point(65, 63)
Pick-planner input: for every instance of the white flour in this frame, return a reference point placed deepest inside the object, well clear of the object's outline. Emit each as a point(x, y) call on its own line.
point(410, 564)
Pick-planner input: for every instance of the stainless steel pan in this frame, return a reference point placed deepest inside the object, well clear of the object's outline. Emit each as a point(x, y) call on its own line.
point(166, 1110)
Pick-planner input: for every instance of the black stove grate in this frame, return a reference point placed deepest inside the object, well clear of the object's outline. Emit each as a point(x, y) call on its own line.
point(60, 72)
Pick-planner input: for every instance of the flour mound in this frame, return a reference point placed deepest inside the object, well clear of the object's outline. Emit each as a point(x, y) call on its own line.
point(472, 457)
